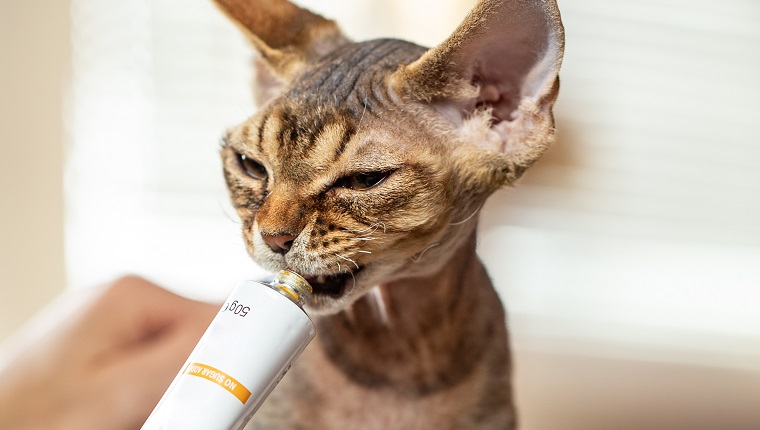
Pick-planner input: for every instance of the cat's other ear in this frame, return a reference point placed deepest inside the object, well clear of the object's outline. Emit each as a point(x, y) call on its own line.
point(286, 37)
point(496, 78)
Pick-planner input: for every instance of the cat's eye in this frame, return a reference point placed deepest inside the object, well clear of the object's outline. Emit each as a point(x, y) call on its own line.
point(363, 181)
point(252, 167)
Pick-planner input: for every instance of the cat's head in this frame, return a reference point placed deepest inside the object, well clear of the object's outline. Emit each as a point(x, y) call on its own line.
point(368, 162)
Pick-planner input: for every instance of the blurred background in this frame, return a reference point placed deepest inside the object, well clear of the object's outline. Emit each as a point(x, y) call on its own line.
point(628, 258)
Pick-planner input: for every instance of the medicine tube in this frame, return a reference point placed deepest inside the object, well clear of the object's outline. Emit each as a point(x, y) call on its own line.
point(241, 357)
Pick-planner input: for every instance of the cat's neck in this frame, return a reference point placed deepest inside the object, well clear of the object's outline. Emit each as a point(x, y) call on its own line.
point(418, 334)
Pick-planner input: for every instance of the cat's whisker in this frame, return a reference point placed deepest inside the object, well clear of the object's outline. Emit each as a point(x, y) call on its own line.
point(354, 278)
point(372, 227)
point(362, 238)
point(418, 257)
point(468, 218)
point(365, 102)
point(364, 252)
point(225, 210)
point(342, 257)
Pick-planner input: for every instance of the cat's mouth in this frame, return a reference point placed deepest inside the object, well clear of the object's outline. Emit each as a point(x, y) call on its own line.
point(333, 285)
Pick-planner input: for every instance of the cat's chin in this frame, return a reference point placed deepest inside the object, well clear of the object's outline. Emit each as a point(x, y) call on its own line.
point(335, 285)
point(334, 293)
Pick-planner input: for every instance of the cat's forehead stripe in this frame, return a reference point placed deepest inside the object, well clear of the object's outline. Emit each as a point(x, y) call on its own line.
point(301, 145)
point(336, 78)
point(300, 131)
point(348, 132)
point(270, 132)
point(309, 130)
point(260, 136)
point(352, 76)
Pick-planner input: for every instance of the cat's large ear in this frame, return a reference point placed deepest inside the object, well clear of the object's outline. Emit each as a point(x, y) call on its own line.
point(496, 78)
point(286, 37)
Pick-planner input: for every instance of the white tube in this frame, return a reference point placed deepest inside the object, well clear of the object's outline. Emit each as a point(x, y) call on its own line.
point(242, 356)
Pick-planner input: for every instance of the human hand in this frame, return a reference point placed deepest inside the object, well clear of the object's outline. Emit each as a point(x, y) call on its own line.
point(106, 366)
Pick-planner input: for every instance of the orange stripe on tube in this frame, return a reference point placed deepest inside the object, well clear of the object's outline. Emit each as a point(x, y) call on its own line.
point(219, 378)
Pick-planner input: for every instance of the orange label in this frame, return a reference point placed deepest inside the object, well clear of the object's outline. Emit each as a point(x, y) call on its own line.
point(219, 378)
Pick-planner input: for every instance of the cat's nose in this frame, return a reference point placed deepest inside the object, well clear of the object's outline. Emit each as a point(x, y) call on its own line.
point(280, 243)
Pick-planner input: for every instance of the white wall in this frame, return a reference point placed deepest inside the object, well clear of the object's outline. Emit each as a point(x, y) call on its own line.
point(34, 59)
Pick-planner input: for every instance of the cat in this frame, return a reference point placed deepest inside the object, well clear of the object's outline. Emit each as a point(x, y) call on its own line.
point(364, 171)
